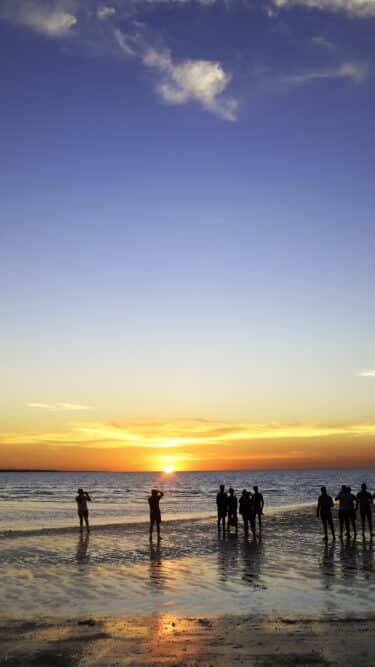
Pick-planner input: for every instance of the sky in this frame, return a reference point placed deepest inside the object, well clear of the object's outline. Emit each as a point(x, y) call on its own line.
point(187, 235)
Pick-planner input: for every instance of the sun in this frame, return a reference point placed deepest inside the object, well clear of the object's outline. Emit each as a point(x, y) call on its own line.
point(168, 469)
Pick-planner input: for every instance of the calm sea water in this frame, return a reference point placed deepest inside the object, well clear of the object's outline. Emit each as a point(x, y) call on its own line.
point(44, 500)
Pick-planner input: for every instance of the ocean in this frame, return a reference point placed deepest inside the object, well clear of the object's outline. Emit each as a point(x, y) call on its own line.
point(40, 500)
point(47, 568)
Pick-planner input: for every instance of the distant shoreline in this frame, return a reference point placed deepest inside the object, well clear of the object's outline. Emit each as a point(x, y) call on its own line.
point(177, 472)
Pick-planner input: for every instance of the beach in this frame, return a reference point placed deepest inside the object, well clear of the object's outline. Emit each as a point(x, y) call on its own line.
point(197, 598)
point(189, 642)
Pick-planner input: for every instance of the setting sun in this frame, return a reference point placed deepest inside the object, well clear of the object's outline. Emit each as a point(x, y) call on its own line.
point(168, 469)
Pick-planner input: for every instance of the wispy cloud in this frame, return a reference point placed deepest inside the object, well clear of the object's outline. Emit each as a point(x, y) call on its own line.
point(355, 72)
point(104, 12)
point(202, 81)
point(59, 406)
point(357, 8)
point(367, 374)
point(323, 42)
point(53, 19)
point(178, 434)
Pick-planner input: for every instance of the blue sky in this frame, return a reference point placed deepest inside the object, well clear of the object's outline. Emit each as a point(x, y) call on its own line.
point(187, 210)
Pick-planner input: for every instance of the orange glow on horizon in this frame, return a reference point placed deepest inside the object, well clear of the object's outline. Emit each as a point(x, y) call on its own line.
point(188, 445)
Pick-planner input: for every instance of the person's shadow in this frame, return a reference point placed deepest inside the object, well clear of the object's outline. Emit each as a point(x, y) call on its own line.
point(82, 557)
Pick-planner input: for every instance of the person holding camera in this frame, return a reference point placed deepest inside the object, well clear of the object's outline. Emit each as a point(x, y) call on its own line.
point(83, 512)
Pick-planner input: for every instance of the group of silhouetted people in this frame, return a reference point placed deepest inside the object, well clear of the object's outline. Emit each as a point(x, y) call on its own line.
point(348, 505)
point(250, 506)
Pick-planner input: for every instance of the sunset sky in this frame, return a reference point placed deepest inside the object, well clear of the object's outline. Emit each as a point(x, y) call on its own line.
point(187, 234)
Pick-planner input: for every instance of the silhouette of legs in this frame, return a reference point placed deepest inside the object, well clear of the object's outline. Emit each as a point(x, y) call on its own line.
point(352, 518)
point(341, 522)
point(344, 520)
point(157, 528)
point(84, 516)
point(327, 521)
point(367, 514)
point(220, 519)
point(347, 526)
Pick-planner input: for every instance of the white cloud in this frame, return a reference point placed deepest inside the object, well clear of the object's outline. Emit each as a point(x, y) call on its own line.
point(360, 8)
point(202, 81)
point(46, 17)
point(367, 374)
point(355, 72)
point(104, 12)
point(58, 406)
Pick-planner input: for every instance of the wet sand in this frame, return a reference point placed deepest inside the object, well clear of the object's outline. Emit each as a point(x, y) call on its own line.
point(189, 642)
point(198, 598)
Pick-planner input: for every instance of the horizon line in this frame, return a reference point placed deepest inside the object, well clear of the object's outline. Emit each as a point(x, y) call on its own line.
point(119, 472)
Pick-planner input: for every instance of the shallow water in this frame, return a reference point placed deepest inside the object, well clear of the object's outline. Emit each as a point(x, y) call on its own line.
point(115, 571)
point(41, 500)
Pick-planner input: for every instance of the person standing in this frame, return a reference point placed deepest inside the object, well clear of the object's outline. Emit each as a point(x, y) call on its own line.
point(352, 511)
point(155, 515)
point(324, 512)
point(258, 504)
point(365, 501)
point(344, 510)
point(222, 507)
point(232, 510)
point(83, 513)
point(244, 509)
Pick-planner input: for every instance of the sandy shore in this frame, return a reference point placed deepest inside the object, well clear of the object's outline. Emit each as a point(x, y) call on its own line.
point(189, 642)
point(198, 598)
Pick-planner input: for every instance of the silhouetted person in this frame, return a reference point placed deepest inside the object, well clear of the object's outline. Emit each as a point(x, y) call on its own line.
point(232, 510)
point(323, 510)
point(345, 505)
point(258, 504)
point(82, 509)
point(155, 515)
point(353, 510)
point(244, 510)
point(222, 506)
point(365, 501)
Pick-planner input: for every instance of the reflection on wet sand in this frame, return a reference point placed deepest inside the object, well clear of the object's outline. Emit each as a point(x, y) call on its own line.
point(239, 556)
point(252, 554)
point(82, 556)
point(367, 558)
point(327, 565)
point(227, 557)
point(156, 571)
point(348, 558)
point(191, 571)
